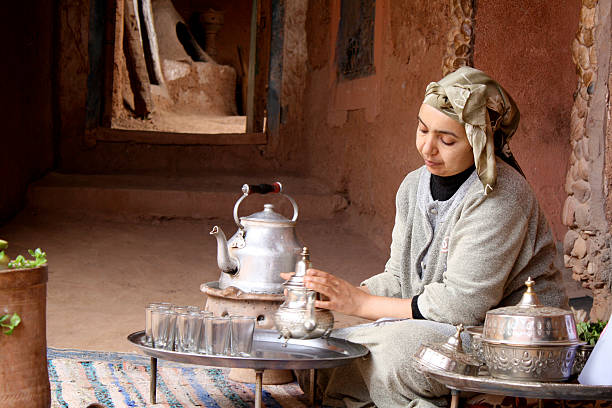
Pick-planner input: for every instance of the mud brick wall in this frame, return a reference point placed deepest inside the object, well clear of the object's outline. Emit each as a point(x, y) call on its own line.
point(587, 241)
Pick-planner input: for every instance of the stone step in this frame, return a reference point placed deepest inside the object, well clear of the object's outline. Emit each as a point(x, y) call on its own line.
point(204, 197)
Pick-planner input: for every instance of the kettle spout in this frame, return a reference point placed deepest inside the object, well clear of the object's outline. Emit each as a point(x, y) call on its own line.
point(227, 263)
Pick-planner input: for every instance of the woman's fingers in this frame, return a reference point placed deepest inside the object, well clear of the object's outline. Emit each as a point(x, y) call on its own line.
point(317, 272)
point(323, 304)
point(327, 285)
point(335, 293)
point(286, 275)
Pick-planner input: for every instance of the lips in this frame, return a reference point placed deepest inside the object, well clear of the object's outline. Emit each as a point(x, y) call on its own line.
point(431, 163)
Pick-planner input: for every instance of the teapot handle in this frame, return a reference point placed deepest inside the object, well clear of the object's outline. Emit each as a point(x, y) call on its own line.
point(310, 319)
point(274, 188)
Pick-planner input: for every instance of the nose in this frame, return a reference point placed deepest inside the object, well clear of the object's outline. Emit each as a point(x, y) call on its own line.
point(429, 147)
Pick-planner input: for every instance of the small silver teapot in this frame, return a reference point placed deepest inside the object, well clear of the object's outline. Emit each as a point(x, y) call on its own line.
point(264, 246)
point(297, 317)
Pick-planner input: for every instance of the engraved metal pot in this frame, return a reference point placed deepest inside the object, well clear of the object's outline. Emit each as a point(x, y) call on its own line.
point(582, 355)
point(476, 348)
point(449, 356)
point(530, 342)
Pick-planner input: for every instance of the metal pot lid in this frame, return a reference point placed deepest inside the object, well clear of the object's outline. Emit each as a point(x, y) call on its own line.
point(530, 323)
point(448, 356)
point(268, 215)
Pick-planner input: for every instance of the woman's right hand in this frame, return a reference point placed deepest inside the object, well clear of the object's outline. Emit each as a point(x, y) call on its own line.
point(340, 295)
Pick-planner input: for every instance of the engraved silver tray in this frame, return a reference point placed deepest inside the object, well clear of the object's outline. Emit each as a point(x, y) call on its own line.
point(484, 383)
point(269, 352)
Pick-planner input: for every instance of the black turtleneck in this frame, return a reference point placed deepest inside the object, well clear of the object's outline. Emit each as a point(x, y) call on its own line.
point(443, 188)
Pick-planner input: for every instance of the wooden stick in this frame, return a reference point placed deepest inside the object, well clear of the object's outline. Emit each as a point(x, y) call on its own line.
point(137, 66)
point(250, 113)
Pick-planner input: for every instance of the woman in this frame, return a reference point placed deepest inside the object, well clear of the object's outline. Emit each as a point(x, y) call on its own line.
point(468, 233)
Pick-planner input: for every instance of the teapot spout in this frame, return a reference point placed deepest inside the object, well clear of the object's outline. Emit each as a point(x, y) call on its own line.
point(227, 263)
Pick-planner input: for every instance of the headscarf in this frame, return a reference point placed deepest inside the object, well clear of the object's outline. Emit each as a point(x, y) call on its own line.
point(488, 113)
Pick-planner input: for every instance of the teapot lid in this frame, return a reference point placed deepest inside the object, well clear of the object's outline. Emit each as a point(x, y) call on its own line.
point(268, 215)
point(448, 356)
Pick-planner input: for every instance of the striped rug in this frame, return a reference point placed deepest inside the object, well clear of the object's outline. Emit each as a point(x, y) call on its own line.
point(79, 378)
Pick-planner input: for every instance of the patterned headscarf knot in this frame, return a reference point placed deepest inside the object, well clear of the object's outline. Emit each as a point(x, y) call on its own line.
point(488, 113)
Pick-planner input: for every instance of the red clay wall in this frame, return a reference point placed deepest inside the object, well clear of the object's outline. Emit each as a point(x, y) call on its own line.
point(364, 155)
point(368, 157)
point(26, 147)
point(539, 73)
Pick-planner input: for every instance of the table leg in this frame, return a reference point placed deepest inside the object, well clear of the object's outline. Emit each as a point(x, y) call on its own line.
point(454, 399)
point(153, 383)
point(258, 387)
point(313, 387)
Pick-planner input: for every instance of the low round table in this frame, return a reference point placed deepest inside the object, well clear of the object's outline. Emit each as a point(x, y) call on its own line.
point(484, 383)
point(269, 352)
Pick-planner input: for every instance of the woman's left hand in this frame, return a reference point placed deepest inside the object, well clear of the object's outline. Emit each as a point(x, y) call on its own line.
point(341, 295)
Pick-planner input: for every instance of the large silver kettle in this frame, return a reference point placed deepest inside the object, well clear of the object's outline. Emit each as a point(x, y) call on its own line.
point(264, 246)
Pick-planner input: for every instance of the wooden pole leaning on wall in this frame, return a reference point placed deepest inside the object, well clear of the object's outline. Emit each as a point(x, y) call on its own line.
point(135, 60)
point(252, 67)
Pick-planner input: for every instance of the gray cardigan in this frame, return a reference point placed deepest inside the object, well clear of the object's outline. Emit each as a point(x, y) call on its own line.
point(483, 249)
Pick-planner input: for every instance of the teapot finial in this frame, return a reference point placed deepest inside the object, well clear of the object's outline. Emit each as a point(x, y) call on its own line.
point(530, 297)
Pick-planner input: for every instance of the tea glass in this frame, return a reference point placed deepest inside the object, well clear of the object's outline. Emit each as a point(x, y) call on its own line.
point(187, 331)
point(201, 335)
point(242, 329)
point(163, 328)
point(217, 334)
point(148, 323)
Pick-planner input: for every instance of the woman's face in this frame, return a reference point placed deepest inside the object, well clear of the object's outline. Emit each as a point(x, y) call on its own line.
point(442, 143)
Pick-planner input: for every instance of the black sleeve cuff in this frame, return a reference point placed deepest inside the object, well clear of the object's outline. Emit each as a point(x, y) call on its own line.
point(416, 313)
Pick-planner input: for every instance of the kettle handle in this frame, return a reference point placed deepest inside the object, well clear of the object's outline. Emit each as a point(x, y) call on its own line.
point(275, 188)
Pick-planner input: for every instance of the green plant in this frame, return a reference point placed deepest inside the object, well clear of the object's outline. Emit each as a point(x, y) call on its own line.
point(9, 322)
point(4, 259)
point(590, 331)
point(20, 262)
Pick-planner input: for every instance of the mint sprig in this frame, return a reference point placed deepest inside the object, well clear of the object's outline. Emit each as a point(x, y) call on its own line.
point(9, 322)
point(21, 262)
point(590, 331)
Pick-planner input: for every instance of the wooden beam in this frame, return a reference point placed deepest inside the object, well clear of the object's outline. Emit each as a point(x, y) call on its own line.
point(96, 49)
point(135, 59)
point(275, 75)
point(171, 138)
point(250, 113)
point(262, 63)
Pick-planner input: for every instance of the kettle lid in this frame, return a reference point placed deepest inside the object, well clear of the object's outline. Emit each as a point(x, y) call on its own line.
point(268, 215)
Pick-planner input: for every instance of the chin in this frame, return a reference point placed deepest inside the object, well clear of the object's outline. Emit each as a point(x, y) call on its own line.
point(436, 171)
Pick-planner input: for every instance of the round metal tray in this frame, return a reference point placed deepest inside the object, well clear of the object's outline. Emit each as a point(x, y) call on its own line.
point(484, 383)
point(269, 352)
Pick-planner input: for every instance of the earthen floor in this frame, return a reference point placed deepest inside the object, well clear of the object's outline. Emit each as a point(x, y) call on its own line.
point(103, 272)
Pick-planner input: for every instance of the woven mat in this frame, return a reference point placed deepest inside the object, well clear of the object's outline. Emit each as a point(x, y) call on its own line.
point(79, 378)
